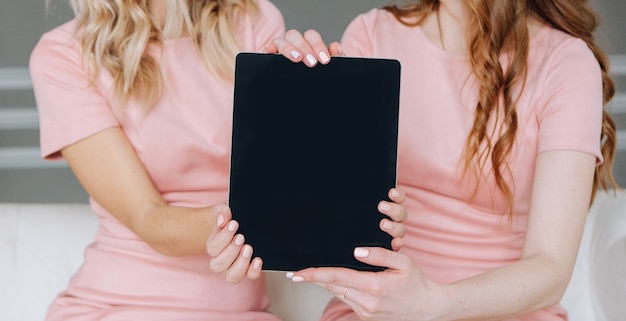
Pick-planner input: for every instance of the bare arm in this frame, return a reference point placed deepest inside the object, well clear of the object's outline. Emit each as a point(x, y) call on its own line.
point(559, 206)
point(109, 169)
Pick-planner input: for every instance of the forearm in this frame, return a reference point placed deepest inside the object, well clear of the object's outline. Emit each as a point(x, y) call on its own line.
point(532, 283)
point(176, 231)
point(110, 171)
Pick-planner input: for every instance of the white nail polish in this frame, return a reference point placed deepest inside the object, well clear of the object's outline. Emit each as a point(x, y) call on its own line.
point(297, 279)
point(232, 226)
point(312, 61)
point(238, 239)
point(295, 54)
point(361, 252)
point(247, 251)
point(324, 57)
point(289, 275)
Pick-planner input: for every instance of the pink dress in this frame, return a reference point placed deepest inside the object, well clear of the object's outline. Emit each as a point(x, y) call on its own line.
point(447, 236)
point(184, 143)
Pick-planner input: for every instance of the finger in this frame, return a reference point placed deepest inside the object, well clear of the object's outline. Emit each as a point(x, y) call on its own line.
point(396, 230)
point(396, 244)
point(271, 48)
point(396, 211)
point(303, 46)
point(255, 269)
point(222, 214)
point(287, 49)
point(339, 276)
point(379, 256)
point(335, 49)
point(239, 269)
point(295, 48)
point(220, 240)
point(225, 259)
point(397, 195)
point(314, 39)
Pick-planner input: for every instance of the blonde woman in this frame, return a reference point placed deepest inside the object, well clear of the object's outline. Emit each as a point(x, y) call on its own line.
point(136, 95)
point(503, 143)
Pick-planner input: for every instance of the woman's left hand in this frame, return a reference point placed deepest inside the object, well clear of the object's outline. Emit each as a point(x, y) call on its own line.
point(396, 213)
point(402, 292)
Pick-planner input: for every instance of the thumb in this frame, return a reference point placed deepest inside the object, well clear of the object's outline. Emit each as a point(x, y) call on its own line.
point(335, 49)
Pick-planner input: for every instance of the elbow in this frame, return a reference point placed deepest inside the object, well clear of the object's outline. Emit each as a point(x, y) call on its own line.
point(558, 285)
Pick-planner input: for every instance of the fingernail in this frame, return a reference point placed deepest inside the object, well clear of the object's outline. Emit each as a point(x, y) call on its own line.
point(395, 193)
point(295, 54)
point(297, 279)
point(232, 226)
point(387, 225)
point(312, 61)
point(324, 57)
point(239, 239)
point(289, 275)
point(384, 207)
point(247, 251)
point(220, 220)
point(256, 264)
point(361, 252)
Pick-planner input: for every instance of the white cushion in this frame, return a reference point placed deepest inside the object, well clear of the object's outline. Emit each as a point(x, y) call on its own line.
point(41, 245)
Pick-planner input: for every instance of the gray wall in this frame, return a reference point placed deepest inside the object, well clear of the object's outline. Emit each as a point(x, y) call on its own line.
point(23, 21)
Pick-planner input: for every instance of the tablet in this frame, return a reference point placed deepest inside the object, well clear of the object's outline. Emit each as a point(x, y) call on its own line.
point(314, 150)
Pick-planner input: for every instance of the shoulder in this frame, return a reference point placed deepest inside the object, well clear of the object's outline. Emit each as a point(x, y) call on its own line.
point(557, 48)
point(58, 44)
point(370, 30)
point(376, 20)
point(268, 9)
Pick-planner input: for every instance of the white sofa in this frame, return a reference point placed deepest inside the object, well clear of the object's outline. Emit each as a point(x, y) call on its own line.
point(41, 245)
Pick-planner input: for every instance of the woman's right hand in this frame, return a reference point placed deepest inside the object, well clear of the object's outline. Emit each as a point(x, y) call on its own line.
point(308, 47)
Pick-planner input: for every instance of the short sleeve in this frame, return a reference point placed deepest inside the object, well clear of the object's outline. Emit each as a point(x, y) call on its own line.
point(70, 107)
point(571, 118)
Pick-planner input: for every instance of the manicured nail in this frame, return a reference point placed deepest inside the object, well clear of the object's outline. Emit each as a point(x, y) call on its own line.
point(256, 264)
point(312, 61)
point(395, 193)
point(232, 226)
point(361, 252)
point(387, 225)
point(289, 275)
point(384, 207)
point(324, 57)
point(239, 239)
point(295, 54)
point(220, 220)
point(297, 279)
point(247, 251)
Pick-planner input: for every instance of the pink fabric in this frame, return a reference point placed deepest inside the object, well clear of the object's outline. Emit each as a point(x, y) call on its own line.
point(184, 143)
point(447, 235)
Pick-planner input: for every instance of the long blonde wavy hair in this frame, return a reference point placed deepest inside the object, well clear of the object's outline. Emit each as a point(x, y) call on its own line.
point(114, 35)
point(500, 27)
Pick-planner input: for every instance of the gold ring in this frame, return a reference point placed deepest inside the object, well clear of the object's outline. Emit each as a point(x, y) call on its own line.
point(343, 295)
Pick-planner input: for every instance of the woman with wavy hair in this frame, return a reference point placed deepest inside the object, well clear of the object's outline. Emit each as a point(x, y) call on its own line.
point(503, 142)
point(136, 95)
